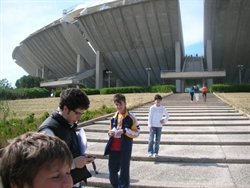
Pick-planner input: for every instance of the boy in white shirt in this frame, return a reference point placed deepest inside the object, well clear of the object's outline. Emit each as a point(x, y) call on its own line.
point(155, 121)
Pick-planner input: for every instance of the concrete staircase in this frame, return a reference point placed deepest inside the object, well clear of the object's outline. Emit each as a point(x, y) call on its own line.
point(204, 144)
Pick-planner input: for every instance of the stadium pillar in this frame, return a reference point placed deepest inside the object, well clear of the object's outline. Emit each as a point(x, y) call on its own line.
point(45, 72)
point(99, 71)
point(178, 65)
point(209, 60)
point(80, 63)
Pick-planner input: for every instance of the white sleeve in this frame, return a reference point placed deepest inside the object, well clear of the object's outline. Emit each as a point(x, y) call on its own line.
point(165, 112)
point(48, 131)
point(150, 116)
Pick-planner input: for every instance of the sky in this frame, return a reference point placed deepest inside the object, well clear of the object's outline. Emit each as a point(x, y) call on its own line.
point(20, 18)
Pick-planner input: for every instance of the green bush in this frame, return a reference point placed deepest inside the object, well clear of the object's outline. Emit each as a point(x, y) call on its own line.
point(91, 91)
point(227, 88)
point(138, 89)
point(57, 93)
point(23, 93)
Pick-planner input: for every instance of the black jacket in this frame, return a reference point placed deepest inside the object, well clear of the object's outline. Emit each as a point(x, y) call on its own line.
point(66, 132)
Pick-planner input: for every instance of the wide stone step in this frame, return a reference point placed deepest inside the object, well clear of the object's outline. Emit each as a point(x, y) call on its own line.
point(184, 139)
point(178, 114)
point(181, 129)
point(191, 123)
point(187, 118)
point(176, 175)
point(187, 107)
point(183, 153)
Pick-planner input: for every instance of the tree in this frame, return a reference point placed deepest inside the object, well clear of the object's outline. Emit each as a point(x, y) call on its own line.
point(28, 82)
point(4, 84)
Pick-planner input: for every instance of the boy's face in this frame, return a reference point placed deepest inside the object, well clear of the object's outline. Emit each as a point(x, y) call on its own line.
point(72, 116)
point(120, 106)
point(57, 175)
point(158, 102)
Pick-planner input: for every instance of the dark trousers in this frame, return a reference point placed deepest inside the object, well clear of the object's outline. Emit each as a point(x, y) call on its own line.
point(119, 162)
point(192, 96)
point(204, 95)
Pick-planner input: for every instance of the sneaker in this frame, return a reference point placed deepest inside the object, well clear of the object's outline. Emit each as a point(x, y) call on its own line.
point(150, 154)
point(156, 155)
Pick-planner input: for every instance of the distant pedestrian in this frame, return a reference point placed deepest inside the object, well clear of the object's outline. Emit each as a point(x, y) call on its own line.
point(197, 93)
point(191, 92)
point(204, 91)
point(155, 122)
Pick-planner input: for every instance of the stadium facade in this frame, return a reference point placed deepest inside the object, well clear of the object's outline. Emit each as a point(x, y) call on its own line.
point(138, 43)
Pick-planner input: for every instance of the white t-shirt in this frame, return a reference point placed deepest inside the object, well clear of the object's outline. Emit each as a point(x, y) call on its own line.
point(156, 114)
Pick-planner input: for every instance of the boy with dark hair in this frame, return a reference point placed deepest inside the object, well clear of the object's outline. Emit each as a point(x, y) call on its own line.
point(123, 128)
point(62, 123)
point(155, 122)
point(36, 160)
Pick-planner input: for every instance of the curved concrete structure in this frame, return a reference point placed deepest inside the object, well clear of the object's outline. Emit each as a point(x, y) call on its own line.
point(227, 30)
point(141, 43)
point(133, 37)
point(129, 36)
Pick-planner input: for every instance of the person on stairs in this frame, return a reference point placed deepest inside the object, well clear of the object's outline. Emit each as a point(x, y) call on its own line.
point(155, 122)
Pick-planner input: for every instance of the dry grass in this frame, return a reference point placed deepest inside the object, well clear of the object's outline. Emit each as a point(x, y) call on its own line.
point(38, 106)
point(239, 100)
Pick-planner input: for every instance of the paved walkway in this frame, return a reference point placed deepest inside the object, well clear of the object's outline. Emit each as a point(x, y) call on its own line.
point(204, 144)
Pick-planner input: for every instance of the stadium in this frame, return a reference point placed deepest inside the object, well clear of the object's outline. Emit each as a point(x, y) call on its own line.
point(138, 43)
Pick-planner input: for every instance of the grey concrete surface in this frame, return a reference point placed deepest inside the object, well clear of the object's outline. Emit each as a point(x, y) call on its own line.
point(226, 25)
point(192, 153)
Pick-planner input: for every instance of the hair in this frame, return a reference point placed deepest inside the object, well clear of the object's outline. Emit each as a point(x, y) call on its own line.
point(29, 153)
point(118, 98)
point(74, 98)
point(157, 96)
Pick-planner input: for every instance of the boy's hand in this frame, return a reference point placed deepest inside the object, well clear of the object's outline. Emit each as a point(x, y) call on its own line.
point(111, 133)
point(119, 132)
point(81, 161)
point(162, 121)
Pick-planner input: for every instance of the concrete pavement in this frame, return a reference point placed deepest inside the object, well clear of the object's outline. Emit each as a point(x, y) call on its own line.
point(204, 144)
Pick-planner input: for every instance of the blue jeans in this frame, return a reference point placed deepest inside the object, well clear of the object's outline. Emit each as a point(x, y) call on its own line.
point(153, 147)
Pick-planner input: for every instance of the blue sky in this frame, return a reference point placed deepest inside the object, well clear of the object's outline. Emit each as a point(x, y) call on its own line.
point(20, 18)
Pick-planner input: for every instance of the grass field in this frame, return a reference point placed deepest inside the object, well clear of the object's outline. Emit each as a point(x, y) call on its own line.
point(239, 100)
point(38, 106)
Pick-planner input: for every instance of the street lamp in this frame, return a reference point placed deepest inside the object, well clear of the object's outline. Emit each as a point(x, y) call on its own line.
point(240, 67)
point(148, 70)
point(109, 74)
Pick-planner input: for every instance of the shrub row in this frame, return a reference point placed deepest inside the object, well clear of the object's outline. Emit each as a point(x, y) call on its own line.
point(23, 93)
point(227, 88)
point(11, 94)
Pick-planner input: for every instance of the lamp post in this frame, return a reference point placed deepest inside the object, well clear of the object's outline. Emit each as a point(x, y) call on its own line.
point(109, 74)
point(240, 67)
point(148, 70)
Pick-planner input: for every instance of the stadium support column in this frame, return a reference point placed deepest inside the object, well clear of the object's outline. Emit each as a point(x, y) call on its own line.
point(209, 60)
point(45, 72)
point(80, 63)
point(38, 73)
point(178, 65)
point(99, 71)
